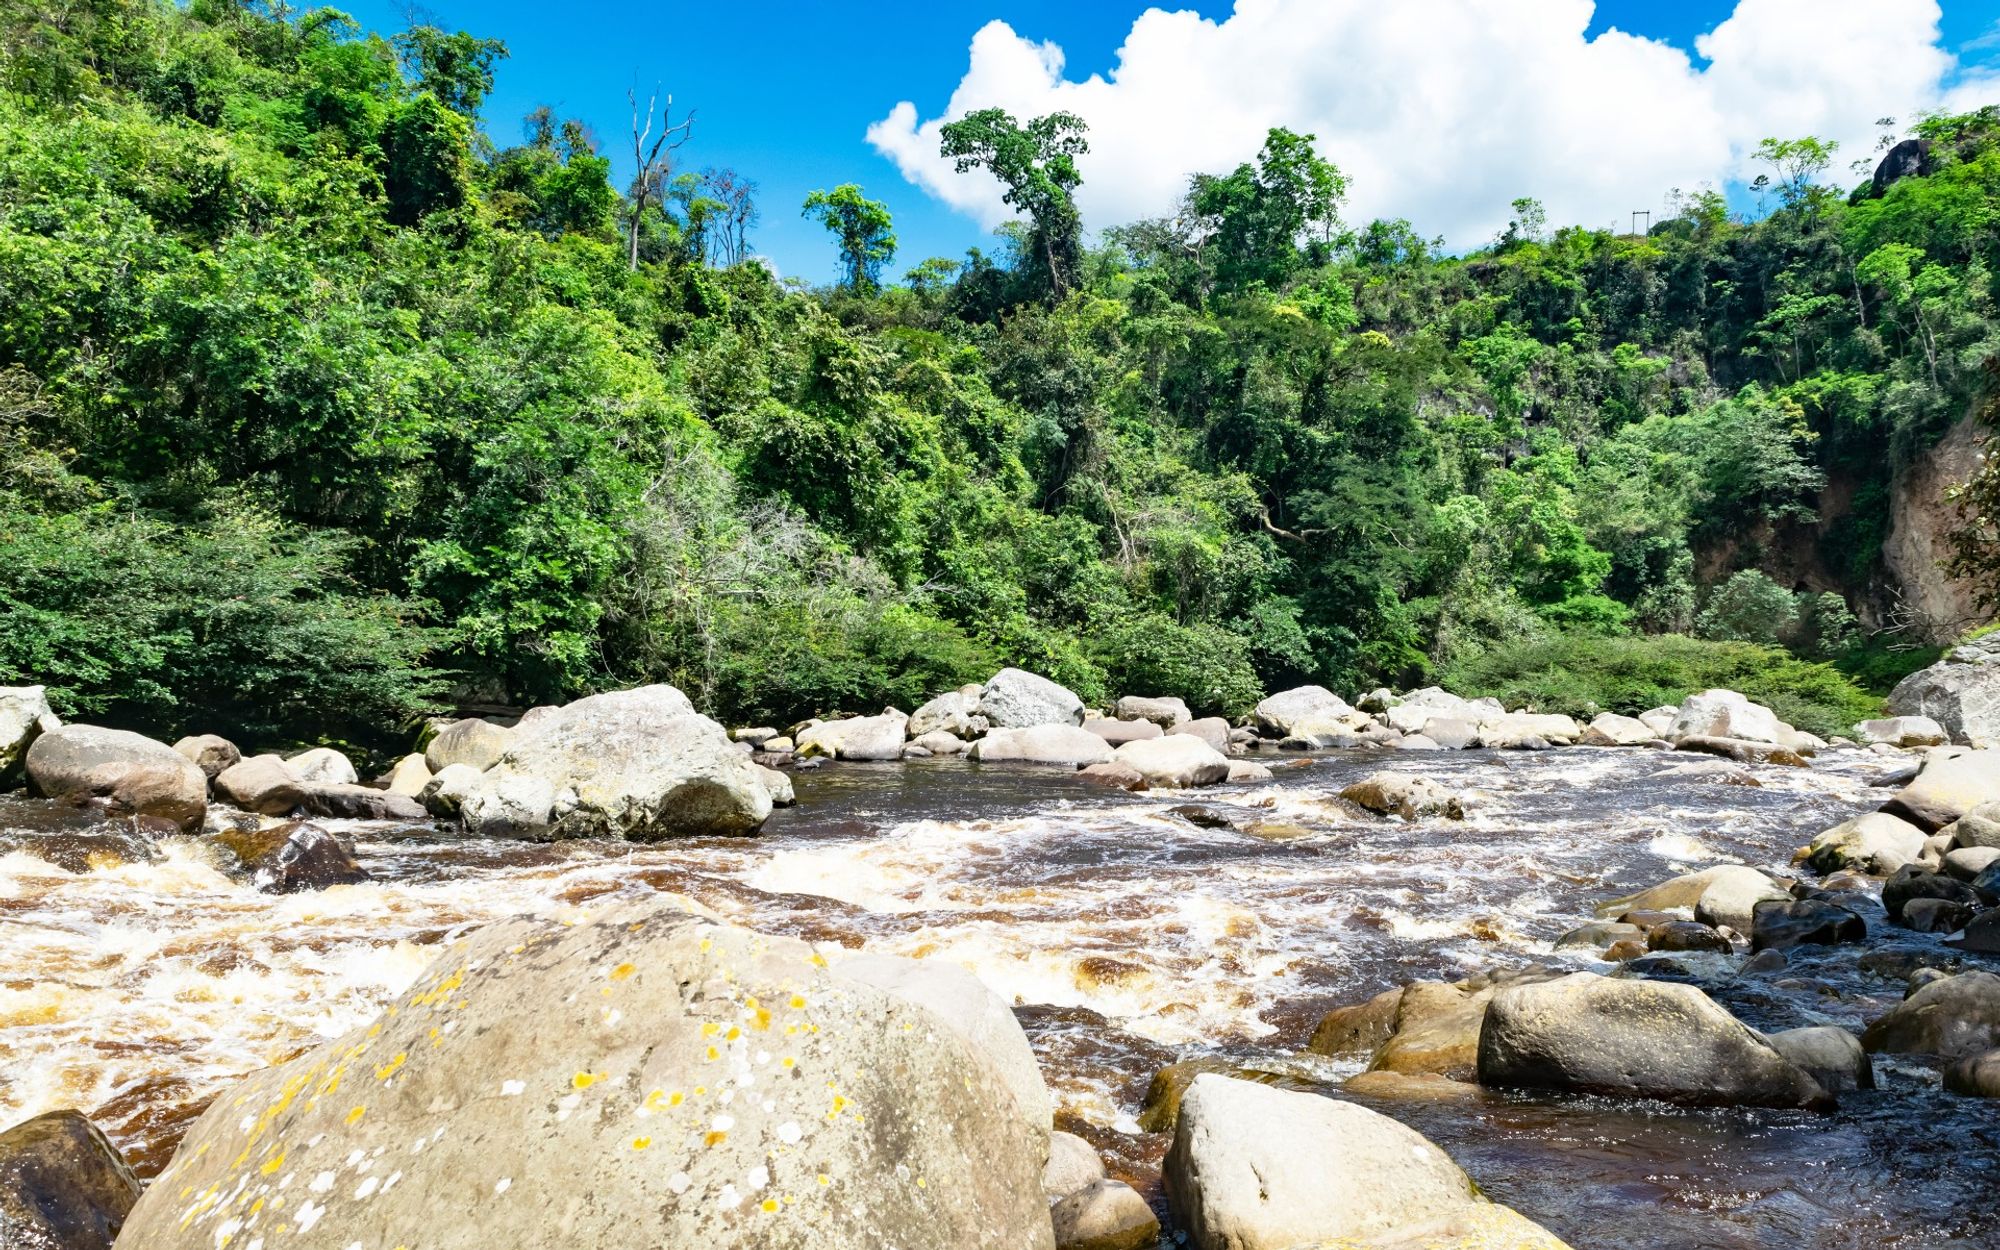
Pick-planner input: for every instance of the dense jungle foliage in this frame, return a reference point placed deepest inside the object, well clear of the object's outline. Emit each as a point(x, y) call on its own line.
point(321, 404)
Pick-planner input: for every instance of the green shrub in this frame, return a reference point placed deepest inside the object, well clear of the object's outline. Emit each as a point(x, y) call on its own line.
point(1204, 664)
point(1582, 675)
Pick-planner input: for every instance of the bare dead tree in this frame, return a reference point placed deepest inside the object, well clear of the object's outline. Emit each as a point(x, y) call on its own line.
point(730, 244)
point(652, 163)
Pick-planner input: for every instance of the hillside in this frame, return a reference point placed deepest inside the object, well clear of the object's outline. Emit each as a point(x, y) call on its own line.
point(322, 404)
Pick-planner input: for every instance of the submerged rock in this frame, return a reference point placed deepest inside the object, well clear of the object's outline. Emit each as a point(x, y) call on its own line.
point(1589, 1034)
point(63, 1185)
point(1404, 794)
point(639, 1077)
point(130, 773)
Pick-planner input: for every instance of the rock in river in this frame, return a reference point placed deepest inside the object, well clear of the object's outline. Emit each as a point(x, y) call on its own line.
point(1961, 692)
point(474, 742)
point(1175, 761)
point(1951, 784)
point(211, 753)
point(1255, 1168)
point(1873, 842)
point(323, 764)
point(289, 858)
point(1803, 922)
point(1589, 1034)
point(1014, 699)
point(63, 1186)
point(638, 1078)
point(1404, 794)
point(1165, 712)
point(1278, 714)
point(133, 774)
point(1959, 1015)
point(1104, 1215)
point(24, 716)
point(858, 737)
point(1976, 1076)
point(1834, 1057)
point(1043, 744)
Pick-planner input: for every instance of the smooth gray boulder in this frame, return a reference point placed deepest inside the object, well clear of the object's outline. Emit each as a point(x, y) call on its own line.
point(1978, 828)
point(474, 742)
point(1731, 895)
point(444, 793)
point(211, 753)
point(1589, 1034)
point(1453, 733)
point(409, 777)
point(1164, 711)
point(24, 716)
point(1210, 729)
point(1902, 731)
point(1950, 784)
point(1832, 1056)
point(261, 783)
point(941, 742)
point(1961, 693)
point(1612, 730)
point(1958, 1015)
point(1015, 699)
point(1276, 716)
point(779, 786)
point(1067, 745)
point(1257, 1168)
point(130, 773)
point(634, 764)
point(1120, 732)
point(1175, 761)
point(877, 738)
point(1876, 842)
point(1726, 714)
point(1073, 1165)
point(1105, 1215)
point(323, 764)
point(1513, 731)
point(955, 712)
point(640, 1077)
point(63, 1185)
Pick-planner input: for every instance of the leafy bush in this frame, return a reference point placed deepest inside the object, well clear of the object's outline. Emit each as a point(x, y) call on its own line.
point(1204, 664)
point(1749, 607)
point(1582, 675)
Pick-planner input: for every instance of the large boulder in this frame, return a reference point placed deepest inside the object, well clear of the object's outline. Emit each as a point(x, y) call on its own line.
point(131, 773)
point(24, 716)
point(1068, 745)
point(1726, 714)
point(1961, 693)
point(1120, 732)
point(1210, 729)
point(1256, 1168)
point(1833, 1056)
point(292, 858)
point(1612, 730)
point(474, 742)
point(444, 794)
point(211, 753)
point(1951, 784)
point(1528, 731)
point(1166, 712)
point(1105, 1215)
point(637, 764)
point(261, 783)
point(1901, 731)
point(323, 764)
point(1953, 1017)
point(955, 712)
point(1277, 715)
point(633, 1078)
point(1404, 794)
point(1875, 842)
point(409, 777)
point(63, 1186)
point(858, 737)
point(1589, 1034)
point(1014, 699)
point(1175, 761)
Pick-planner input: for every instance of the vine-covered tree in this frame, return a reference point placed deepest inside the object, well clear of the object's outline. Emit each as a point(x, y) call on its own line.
point(862, 229)
point(1036, 166)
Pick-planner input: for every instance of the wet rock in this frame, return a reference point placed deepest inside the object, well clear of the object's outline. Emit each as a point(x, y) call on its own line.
point(211, 753)
point(1977, 829)
point(24, 716)
point(1112, 773)
point(325, 765)
point(1599, 935)
point(292, 858)
point(442, 794)
point(1724, 894)
point(473, 742)
point(1073, 1165)
point(1176, 761)
point(63, 1185)
point(1957, 1016)
point(131, 774)
point(1987, 885)
point(1912, 883)
point(1647, 918)
point(1725, 714)
point(1624, 950)
point(409, 777)
point(1253, 1168)
point(1418, 1087)
point(1612, 730)
point(1436, 1031)
point(1922, 977)
point(1166, 712)
point(1873, 842)
point(1742, 750)
point(1805, 922)
point(1013, 699)
point(1935, 915)
point(1896, 961)
point(1637, 1039)
point(83, 843)
point(1948, 787)
point(1276, 830)
point(976, 1015)
point(1246, 771)
point(1067, 745)
point(1834, 1057)
point(1404, 794)
point(1961, 692)
point(634, 764)
point(941, 742)
point(1276, 716)
point(343, 802)
point(1106, 1215)
point(1902, 731)
point(1966, 864)
point(1358, 1028)
point(1975, 1076)
point(597, 1090)
point(1765, 963)
point(1210, 729)
point(778, 785)
point(1120, 732)
point(1687, 935)
point(1201, 817)
point(1982, 934)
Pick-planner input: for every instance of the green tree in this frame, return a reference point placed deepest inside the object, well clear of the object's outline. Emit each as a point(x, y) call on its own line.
point(1255, 221)
point(455, 67)
point(860, 226)
point(423, 150)
point(1036, 166)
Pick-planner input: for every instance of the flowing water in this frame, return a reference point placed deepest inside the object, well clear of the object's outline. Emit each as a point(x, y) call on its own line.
point(137, 979)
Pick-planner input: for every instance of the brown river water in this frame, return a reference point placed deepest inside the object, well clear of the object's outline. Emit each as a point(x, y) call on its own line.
point(137, 988)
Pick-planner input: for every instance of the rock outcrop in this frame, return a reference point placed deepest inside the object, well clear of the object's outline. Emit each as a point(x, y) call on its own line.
point(1961, 692)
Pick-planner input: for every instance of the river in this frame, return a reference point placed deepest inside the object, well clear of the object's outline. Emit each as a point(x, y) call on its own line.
point(137, 979)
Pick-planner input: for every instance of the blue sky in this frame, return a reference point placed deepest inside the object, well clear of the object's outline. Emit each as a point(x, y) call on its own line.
point(786, 93)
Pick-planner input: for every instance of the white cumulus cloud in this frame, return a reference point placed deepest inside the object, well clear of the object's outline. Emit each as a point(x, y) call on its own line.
point(1443, 111)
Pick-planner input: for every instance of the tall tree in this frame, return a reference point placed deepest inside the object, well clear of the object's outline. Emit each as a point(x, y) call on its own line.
point(1036, 166)
point(729, 242)
point(1253, 222)
point(653, 159)
point(861, 227)
point(457, 68)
